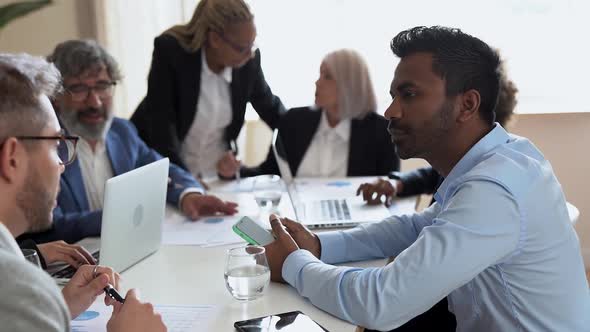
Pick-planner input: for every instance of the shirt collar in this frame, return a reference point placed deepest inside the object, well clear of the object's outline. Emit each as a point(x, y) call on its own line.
point(84, 147)
point(494, 138)
point(342, 129)
point(7, 238)
point(225, 74)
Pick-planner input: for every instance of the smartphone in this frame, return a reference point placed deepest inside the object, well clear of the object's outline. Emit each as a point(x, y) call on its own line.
point(288, 321)
point(252, 232)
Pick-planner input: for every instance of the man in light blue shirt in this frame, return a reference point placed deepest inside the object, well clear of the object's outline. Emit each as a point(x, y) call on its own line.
point(498, 240)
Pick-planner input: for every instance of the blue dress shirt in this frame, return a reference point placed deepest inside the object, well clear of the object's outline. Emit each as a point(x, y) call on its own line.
point(498, 242)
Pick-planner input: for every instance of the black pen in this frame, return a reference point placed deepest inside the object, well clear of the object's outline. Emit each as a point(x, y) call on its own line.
point(113, 294)
point(109, 290)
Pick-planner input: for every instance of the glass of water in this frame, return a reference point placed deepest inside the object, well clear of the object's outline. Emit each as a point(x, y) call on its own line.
point(267, 190)
point(32, 256)
point(246, 272)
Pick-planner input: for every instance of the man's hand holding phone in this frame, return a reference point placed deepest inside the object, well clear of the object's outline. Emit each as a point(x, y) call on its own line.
point(304, 238)
point(255, 234)
point(290, 236)
point(252, 232)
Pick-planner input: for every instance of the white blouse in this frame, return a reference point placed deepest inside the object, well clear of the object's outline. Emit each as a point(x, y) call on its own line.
point(327, 154)
point(204, 144)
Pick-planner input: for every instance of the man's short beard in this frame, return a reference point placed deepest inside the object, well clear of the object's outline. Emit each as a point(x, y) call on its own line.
point(36, 202)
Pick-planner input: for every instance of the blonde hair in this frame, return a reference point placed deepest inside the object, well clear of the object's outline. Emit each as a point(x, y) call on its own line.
point(210, 15)
point(356, 96)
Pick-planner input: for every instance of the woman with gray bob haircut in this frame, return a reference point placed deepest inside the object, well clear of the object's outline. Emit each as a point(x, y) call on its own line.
point(356, 96)
point(342, 135)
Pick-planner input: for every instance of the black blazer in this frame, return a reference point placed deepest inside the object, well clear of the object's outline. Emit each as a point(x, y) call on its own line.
point(420, 181)
point(166, 114)
point(371, 150)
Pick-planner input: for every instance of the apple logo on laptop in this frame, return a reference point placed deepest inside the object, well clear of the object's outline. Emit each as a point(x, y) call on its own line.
point(138, 215)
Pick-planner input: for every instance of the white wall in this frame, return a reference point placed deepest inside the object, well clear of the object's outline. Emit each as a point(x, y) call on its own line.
point(294, 36)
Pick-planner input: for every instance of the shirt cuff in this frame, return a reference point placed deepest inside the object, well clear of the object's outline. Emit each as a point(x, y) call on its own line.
point(331, 244)
point(189, 191)
point(294, 263)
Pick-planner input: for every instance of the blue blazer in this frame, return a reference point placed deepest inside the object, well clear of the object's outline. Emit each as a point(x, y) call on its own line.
point(72, 218)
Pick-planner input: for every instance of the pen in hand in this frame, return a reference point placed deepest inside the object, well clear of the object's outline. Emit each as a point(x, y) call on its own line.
point(234, 148)
point(109, 290)
point(113, 294)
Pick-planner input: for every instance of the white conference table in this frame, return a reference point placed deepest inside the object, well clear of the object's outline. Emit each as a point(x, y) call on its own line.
point(189, 275)
point(192, 275)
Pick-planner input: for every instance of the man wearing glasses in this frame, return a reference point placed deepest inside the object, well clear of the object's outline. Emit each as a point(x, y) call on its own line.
point(33, 153)
point(59, 251)
point(108, 146)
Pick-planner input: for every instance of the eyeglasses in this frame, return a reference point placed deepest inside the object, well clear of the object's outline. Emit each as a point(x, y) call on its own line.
point(80, 92)
point(66, 148)
point(243, 50)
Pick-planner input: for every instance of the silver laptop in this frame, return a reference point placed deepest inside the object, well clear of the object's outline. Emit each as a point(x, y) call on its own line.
point(328, 212)
point(132, 216)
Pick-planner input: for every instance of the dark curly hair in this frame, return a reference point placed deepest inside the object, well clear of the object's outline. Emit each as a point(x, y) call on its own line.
point(463, 61)
point(506, 97)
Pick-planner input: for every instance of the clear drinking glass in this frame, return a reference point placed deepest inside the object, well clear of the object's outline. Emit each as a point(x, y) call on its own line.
point(246, 272)
point(32, 256)
point(267, 190)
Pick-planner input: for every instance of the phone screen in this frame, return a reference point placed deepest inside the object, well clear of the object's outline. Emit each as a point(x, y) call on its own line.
point(288, 321)
point(252, 232)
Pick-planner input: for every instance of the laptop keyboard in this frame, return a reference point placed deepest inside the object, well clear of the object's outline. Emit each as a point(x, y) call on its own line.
point(69, 271)
point(332, 209)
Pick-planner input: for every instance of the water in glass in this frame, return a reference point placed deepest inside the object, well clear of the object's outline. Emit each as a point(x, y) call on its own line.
point(268, 199)
point(246, 272)
point(267, 190)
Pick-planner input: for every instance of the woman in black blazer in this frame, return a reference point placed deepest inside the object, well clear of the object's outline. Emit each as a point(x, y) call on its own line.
point(218, 42)
point(345, 108)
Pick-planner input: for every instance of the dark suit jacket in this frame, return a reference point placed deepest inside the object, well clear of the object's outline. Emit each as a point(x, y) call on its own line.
point(420, 181)
point(371, 150)
point(72, 218)
point(166, 114)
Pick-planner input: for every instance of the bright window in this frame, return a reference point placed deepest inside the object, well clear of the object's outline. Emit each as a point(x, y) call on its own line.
point(544, 43)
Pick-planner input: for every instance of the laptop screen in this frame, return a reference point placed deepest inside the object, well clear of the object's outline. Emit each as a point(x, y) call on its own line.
point(280, 154)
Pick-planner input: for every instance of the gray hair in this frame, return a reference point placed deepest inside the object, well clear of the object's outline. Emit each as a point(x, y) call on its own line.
point(356, 96)
point(23, 79)
point(74, 57)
